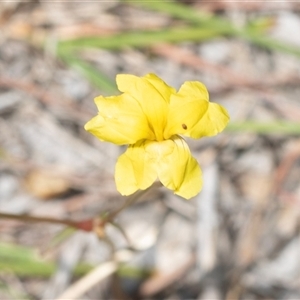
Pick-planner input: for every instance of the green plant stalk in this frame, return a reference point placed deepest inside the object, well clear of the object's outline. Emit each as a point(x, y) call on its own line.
point(207, 27)
point(92, 74)
point(185, 13)
point(137, 39)
point(268, 43)
point(276, 127)
point(251, 33)
point(59, 238)
point(133, 272)
point(23, 261)
point(35, 268)
point(66, 50)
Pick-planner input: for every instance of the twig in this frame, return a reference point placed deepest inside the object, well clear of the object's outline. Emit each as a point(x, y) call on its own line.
point(188, 58)
point(45, 97)
point(160, 282)
point(87, 225)
point(28, 88)
point(207, 221)
point(76, 290)
point(28, 218)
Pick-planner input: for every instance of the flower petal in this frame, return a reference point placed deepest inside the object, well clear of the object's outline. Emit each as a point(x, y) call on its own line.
point(212, 122)
point(176, 168)
point(191, 114)
point(134, 170)
point(120, 120)
point(153, 95)
point(186, 108)
point(169, 160)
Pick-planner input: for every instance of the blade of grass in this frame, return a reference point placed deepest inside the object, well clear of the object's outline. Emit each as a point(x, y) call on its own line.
point(66, 49)
point(134, 272)
point(23, 261)
point(137, 39)
point(269, 43)
point(97, 78)
point(59, 238)
point(186, 13)
point(203, 19)
point(252, 33)
point(276, 127)
point(12, 293)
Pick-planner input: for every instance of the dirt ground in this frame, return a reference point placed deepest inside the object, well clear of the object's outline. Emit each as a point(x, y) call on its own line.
point(238, 239)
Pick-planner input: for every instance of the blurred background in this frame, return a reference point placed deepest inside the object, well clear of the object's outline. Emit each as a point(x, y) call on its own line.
point(238, 239)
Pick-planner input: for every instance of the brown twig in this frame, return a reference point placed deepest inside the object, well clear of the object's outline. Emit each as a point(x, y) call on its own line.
point(161, 281)
point(282, 173)
point(28, 88)
point(188, 58)
point(27, 218)
point(45, 97)
point(95, 224)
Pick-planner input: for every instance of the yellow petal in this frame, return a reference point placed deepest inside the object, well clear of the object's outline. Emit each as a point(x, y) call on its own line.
point(153, 95)
point(195, 90)
point(212, 122)
point(191, 114)
point(176, 168)
point(120, 120)
point(163, 89)
point(169, 160)
point(134, 170)
point(186, 108)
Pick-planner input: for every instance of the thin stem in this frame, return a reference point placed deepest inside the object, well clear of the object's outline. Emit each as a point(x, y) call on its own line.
point(130, 200)
point(87, 225)
point(27, 218)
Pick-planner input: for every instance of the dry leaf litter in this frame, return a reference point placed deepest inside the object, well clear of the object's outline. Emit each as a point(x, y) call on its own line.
point(238, 239)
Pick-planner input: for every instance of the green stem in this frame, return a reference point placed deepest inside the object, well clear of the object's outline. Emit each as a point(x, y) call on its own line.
point(275, 127)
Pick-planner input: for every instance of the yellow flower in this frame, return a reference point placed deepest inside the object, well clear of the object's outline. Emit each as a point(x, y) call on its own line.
point(150, 117)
